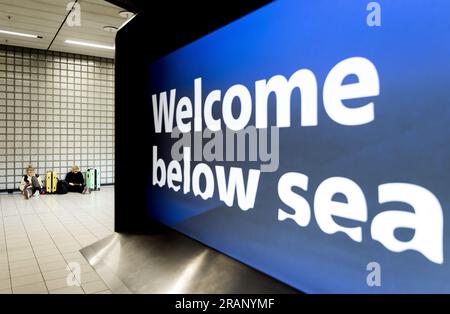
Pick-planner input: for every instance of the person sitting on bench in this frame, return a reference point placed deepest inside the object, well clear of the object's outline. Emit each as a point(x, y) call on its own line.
point(30, 183)
point(76, 181)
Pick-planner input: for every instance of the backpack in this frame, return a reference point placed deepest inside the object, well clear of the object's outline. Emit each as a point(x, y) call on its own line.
point(62, 187)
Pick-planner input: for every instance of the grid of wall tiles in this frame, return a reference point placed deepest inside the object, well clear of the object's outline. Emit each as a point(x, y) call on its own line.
point(56, 110)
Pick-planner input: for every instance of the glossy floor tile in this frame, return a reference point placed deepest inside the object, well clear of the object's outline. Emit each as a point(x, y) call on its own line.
point(40, 239)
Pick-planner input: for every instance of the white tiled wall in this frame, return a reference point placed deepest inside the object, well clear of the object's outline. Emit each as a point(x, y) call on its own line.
point(56, 110)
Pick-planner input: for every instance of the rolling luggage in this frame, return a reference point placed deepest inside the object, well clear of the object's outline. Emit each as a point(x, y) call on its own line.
point(92, 178)
point(51, 181)
point(62, 187)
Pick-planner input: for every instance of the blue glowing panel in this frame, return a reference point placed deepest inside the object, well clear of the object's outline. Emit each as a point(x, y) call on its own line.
point(359, 200)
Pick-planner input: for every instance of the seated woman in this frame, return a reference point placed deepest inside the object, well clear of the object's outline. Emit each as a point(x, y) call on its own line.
point(76, 181)
point(30, 183)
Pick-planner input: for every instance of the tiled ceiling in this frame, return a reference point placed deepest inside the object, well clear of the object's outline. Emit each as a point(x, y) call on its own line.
point(46, 18)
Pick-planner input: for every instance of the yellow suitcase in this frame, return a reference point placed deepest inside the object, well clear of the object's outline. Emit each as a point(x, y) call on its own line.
point(51, 181)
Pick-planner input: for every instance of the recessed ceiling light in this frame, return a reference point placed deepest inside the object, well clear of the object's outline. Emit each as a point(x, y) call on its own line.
point(19, 34)
point(126, 14)
point(110, 29)
point(82, 43)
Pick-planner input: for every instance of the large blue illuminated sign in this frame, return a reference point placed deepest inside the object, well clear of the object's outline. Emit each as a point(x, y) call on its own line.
point(310, 141)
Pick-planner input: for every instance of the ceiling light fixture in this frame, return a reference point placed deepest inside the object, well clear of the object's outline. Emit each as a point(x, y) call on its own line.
point(19, 34)
point(82, 43)
point(126, 14)
point(110, 29)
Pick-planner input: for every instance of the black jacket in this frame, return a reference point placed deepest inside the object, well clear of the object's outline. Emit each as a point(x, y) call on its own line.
point(76, 178)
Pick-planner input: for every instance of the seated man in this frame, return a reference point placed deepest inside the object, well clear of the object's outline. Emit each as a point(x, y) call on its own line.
point(30, 183)
point(76, 181)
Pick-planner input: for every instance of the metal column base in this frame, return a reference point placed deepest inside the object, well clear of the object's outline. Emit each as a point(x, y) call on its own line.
point(168, 262)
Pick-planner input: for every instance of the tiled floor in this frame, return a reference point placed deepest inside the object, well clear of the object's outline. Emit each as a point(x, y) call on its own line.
point(40, 239)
